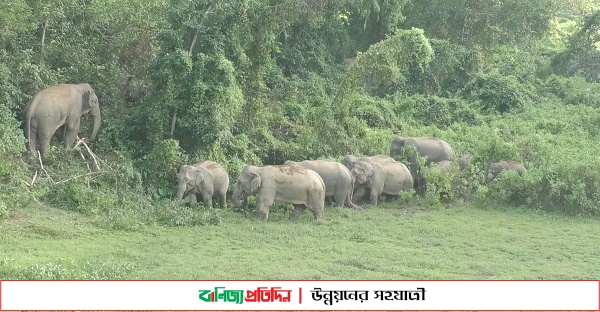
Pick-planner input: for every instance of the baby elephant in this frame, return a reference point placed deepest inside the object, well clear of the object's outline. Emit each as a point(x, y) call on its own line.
point(496, 168)
point(207, 179)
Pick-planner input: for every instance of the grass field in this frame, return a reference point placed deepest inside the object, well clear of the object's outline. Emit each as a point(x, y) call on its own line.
point(391, 241)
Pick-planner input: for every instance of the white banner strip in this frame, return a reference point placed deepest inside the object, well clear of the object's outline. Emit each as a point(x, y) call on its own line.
point(300, 295)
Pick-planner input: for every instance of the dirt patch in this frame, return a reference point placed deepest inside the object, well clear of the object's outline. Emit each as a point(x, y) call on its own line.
point(291, 169)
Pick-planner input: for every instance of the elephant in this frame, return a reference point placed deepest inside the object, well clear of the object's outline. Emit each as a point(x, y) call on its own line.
point(60, 106)
point(435, 150)
point(299, 186)
point(207, 179)
point(375, 179)
point(465, 161)
point(496, 168)
point(444, 164)
point(349, 160)
point(339, 182)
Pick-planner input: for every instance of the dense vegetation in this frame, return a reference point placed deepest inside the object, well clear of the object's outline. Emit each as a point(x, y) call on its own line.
point(262, 81)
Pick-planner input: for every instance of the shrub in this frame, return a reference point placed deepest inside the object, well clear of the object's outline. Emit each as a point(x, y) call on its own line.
point(376, 113)
point(496, 93)
point(437, 111)
point(159, 168)
point(574, 91)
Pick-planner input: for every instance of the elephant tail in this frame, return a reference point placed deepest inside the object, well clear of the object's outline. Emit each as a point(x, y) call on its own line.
point(30, 108)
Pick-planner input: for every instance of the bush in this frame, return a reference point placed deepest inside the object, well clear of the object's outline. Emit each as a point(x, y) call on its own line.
point(574, 91)
point(159, 168)
point(437, 111)
point(496, 93)
point(375, 112)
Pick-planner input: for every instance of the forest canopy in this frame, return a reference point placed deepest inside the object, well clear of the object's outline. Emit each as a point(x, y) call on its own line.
point(264, 81)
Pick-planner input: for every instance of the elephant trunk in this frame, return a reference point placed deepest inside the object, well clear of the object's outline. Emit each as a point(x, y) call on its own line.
point(239, 200)
point(97, 119)
point(181, 188)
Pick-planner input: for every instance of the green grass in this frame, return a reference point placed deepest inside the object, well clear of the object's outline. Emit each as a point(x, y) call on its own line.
point(385, 242)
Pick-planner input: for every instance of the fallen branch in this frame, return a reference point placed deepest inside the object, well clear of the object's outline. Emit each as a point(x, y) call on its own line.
point(80, 176)
point(35, 176)
point(42, 166)
point(82, 142)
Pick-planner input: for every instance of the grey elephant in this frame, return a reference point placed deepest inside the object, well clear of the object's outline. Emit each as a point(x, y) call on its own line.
point(433, 149)
point(339, 182)
point(60, 106)
point(463, 163)
point(496, 168)
point(375, 179)
point(299, 186)
point(349, 160)
point(207, 179)
point(444, 164)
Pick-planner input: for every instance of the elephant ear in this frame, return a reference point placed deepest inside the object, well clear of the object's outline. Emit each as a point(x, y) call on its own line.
point(368, 169)
point(255, 182)
point(86, 105)
point(200, 175)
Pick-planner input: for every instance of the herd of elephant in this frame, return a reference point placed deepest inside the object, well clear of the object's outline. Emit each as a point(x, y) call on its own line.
point(311, 184)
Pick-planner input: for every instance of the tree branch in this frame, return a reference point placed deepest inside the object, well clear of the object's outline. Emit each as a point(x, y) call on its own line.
point(198, 29)
point(173, 123)
point(42, 43)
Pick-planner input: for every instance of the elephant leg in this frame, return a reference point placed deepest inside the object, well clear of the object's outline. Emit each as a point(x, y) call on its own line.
point(423, 187)
point(207, 200)
point(373, 196)
point(44, 139)
point(33, 140)
point(317, 213)
point(193, 201)
point(328, 200)
point(298, 210)
point(262, 208)
point(71, 132)
point(339, 198)
point(223, 199)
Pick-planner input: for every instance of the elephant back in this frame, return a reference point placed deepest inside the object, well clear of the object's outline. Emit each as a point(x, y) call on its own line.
point(220, 176)
point(436, 150)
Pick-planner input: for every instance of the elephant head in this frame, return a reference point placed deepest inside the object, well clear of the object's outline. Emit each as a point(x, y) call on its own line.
point(419, 183)
point(363, 172)
point(397, 146)
point(190, 179)
point(248, 183)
